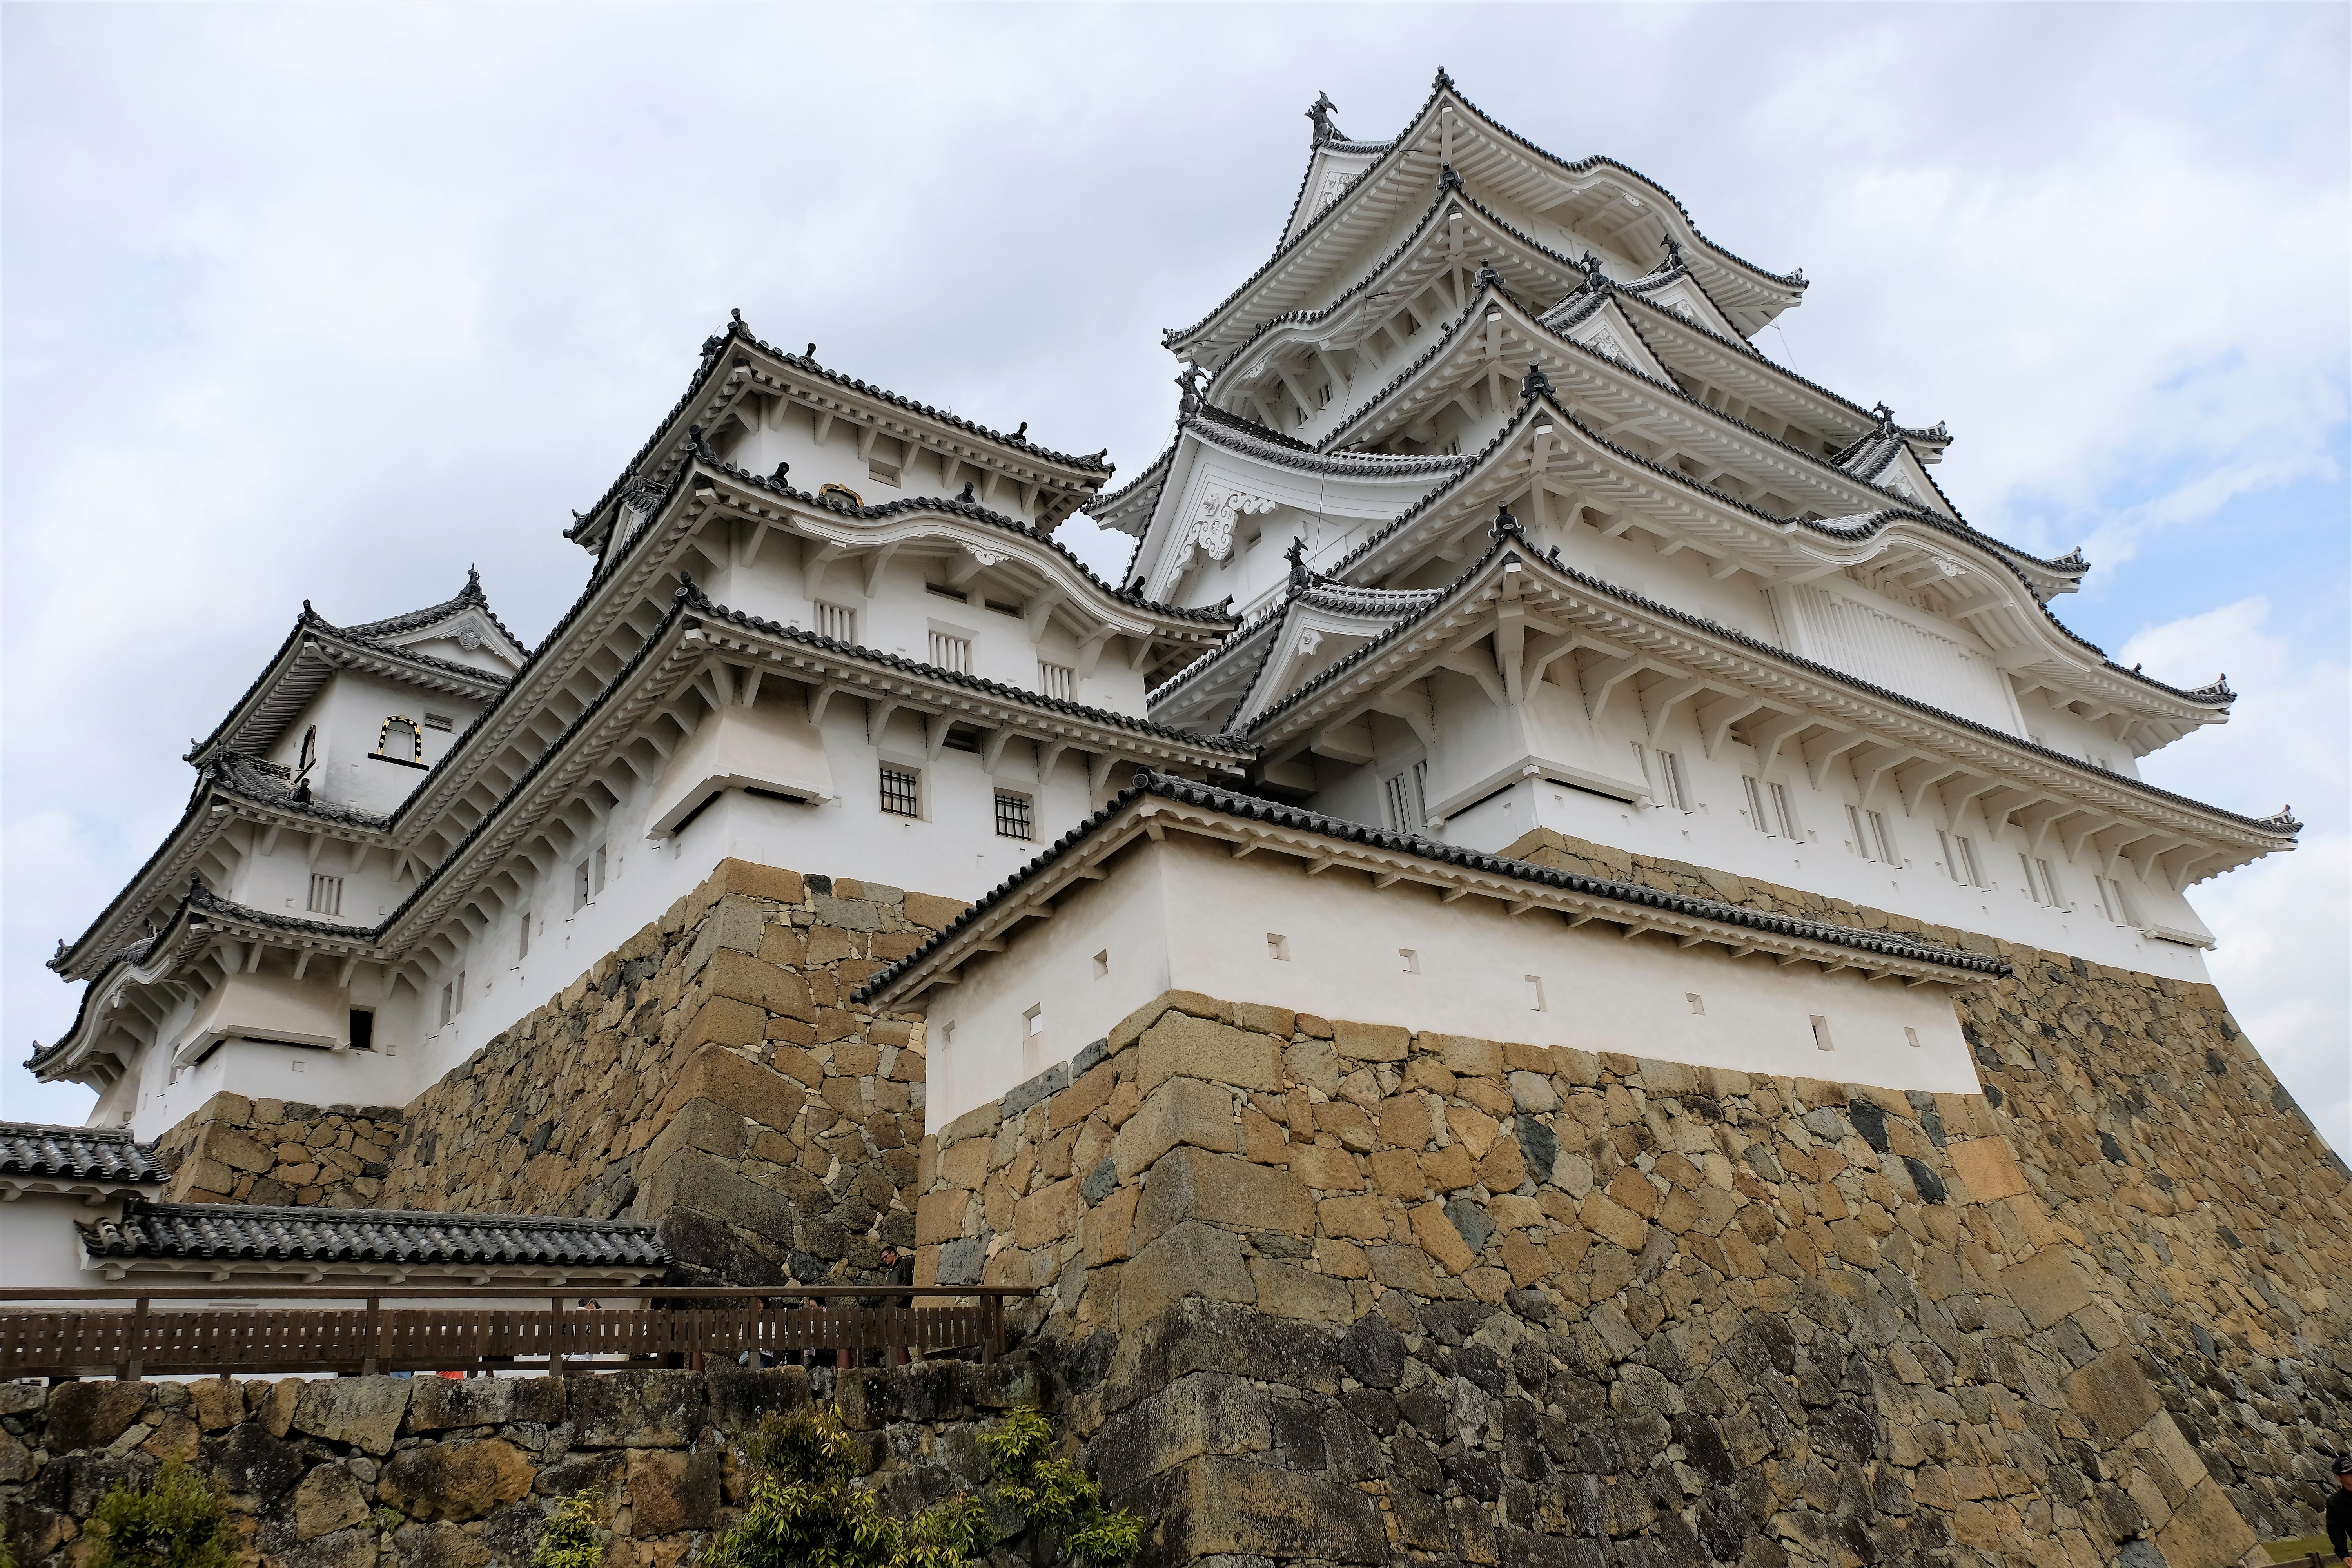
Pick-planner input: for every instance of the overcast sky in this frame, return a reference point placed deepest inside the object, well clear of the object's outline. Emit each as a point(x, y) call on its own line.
point(330, 301)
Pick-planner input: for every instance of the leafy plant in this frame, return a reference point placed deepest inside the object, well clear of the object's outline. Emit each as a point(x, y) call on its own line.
point(807, 1512)
point(1054, 1496)
point(178, 1520)
point(388, 1520)
point(571, 1539)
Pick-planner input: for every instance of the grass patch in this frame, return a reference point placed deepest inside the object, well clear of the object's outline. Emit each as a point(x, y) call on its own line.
point(2298, 1549)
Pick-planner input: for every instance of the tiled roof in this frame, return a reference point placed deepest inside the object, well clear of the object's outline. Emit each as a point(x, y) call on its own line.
point(1173, 336)
point(714, 355)
point(973, 511)
point(703, 605)
point(1861, 529)
point(1350, 464)
point(469, 598)
point(267, 783)
point(1211, 799)
point(76, 1154)
point(225, 1232)
point(1508, 535)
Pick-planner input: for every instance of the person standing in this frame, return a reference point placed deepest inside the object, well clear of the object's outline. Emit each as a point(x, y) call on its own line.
point(899, 1269)
point(2339, 1513)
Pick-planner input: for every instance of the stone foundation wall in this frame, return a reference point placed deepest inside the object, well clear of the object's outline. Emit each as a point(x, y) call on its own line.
point(710, 1076)
point(2156, 1139)
point(1334, 1292)
point(380, 1472)
point(234, 1150)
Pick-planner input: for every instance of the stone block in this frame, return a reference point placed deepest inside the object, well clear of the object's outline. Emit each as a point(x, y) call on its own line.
point(670, 1491)
point(1467, 1057)
point(456, 1481)
point(940, 1216)
point(1397, 1173)
point(443, 1404)
point(353, 1548)
point(1195, 1184)
point(1287, 1291)
point(1214, 1507)
point(933, 912)
point(1180, 1044)
point(1325, 1167)
point(228, 1146)
point(2047, 1288)
point(758, 1093)
point(739, 1398)
point(696, 1181)
point(755, 880)
point(1988, 1166)
point(329, 1499)
point(701, 1124)
point(723, 1021)
point(1371, 1042)
point(93, 1414)
point(634, 1409)
point(743, 978)
point(363, 1411)
point(1191, 1260)
point(1049, 1215)
point(965, 1164)
point(441, 1546)
point(1436, 1232)
point(1203, 1413)
point(1183, 1110)
point(2205, 1531)
point(2112, 1395)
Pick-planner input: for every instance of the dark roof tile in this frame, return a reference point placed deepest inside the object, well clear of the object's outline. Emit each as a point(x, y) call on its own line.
point(222, 1232)
point(76, 1154)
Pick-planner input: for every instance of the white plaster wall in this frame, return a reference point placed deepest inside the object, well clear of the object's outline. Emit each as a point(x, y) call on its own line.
point(39, 1248)
point(789, 434)
point(898, 617)
point(1183, 913)
point(1479, 741)
point(349, 711)
point(977, 1040)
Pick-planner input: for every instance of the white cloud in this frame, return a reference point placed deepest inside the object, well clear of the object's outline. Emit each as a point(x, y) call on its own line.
point(2282, 920)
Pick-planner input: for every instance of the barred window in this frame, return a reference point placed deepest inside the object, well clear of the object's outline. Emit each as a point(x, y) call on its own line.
point(1405, 796)
point(901, 792)
point(326, 895)
point(1012, 815)
point(1670, 787)
point(1059, 681)
point(952, 652)
point(836, 621)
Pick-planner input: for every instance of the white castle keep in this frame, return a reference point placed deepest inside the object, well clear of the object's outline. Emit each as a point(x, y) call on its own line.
point(1484, 518)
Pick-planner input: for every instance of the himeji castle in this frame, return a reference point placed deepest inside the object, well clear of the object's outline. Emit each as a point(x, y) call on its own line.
point(1511, 653)
point(1484, 518)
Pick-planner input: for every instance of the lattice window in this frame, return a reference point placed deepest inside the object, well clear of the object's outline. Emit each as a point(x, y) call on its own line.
point(326, 895)
point(838, 621)
point(1012, 815)
point(1057, 680)
point(1406, 798)
point(901, 792)
point(1671, 789)
point(952, 652)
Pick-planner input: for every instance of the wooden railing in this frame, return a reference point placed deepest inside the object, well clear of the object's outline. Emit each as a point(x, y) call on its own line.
point(721, 1325)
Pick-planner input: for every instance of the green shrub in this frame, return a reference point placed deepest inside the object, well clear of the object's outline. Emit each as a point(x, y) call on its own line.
point(178, 1520)
point(571, 1539)
point(807, 1511)
point(1062, 1506)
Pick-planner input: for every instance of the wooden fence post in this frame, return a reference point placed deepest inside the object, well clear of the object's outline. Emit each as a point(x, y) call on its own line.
point(133, 1355)
point(993, 1315)
point(555, 1339)
point(374, 1336)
